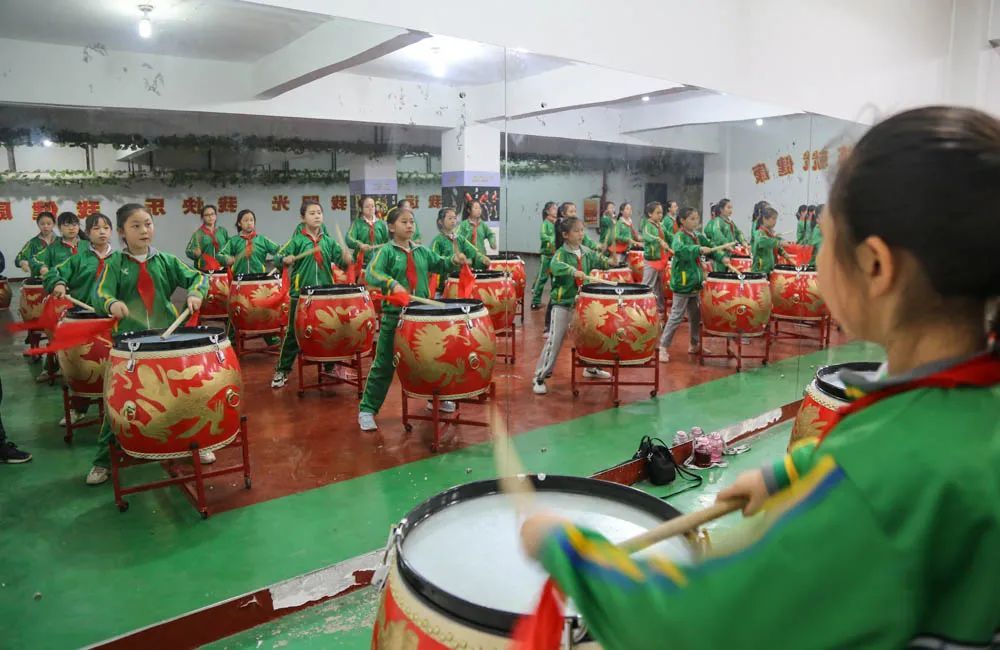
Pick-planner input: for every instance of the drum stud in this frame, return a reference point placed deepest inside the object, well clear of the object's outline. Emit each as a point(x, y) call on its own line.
point(307, 332)
point(474, 360)
point(232, 398)
point(395, 359)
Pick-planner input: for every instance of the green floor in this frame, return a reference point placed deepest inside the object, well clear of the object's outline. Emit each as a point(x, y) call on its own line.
point(79, 572)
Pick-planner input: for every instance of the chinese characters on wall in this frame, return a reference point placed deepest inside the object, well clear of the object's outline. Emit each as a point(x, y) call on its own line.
point(814, 160)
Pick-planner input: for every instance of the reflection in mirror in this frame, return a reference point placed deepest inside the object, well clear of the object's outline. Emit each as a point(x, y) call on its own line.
point(620, 254)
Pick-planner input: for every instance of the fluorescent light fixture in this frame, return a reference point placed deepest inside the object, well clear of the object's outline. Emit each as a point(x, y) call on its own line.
point(145, 24)
point(760, 122)
point(47, 143)
point(645, 98)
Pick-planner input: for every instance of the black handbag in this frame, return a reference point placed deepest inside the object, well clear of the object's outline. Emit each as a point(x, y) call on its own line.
point(660, 465)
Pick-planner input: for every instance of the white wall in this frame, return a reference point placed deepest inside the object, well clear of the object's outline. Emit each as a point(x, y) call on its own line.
point(523, 199)
point(729, 174)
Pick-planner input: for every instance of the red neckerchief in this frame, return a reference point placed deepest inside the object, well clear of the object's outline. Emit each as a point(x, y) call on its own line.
point(631, 226)
point(45, 244)
point(100, 261)
point(371, 231)
point(145, 285)
point(317, 254)
point(579, 267)
point(411, 269)
point(249, 240)
point(71, 246)
point(694, 239)
point(475, 233)
point(732, 229)
point(211, 235)
point(980, 371)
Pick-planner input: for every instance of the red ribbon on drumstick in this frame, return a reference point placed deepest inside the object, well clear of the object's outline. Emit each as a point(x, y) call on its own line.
point(466, 283)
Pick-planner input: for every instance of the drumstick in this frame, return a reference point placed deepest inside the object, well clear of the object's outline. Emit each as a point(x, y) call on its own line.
point(428, 301)
point(177, 323)
point(594, 278)
point(681, 524)
point(511, 476)
point(78, 303)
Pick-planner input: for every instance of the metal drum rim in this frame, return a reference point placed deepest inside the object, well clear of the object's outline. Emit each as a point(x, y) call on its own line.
point(486, 618)
point(836, 391)
point(121, 340)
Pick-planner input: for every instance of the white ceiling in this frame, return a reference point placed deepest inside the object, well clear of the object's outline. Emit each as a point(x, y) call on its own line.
point(456, 62)
point(224, 30)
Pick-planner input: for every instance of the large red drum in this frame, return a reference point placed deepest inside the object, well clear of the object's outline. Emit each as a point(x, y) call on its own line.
point(800, 253)
point(446, 549)
point(621, 273)
point(165, 397)
point(739, 250)
point(742, 263)
point(795, 294)
point(823, 397)
point(616, 323)
point(449, 351)
point(5, 293)
point(735, 305)
point(247, 294)
point(83, 366)
point(334, 323)
point(512, 264)
point(216, 303)
point(636, 261)
point(32, 297)
point(496, 290)
point(668, 293)
point(377, 302)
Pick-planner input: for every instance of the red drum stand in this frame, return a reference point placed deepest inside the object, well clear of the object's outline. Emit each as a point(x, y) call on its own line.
point(822, 327)
point(179, 474)
point(615, 369)
point(441, 421)
point(730, 354)
point(69, 400)
point(325, 378)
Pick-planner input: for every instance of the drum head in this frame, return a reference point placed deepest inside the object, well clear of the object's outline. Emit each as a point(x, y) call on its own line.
point(79, 313)
point(216, 272)
point(614, 290)
point(183, 338)
point(32, 282)
point(254, 277)
point(513, 257)
point(638, 249)
point(792, 268)
point(453, 307)
point(829, 381)
point(330, 290)
point(461, 549)
point(481, 275)
point(729, 275)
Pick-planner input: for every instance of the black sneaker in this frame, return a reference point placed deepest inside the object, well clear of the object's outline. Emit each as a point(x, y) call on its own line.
point(9, 453)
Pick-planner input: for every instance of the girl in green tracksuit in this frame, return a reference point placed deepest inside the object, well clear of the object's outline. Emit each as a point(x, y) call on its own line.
point(547, 248)
point(606, 227)
point(722, 229)
point(60, 249)
point(885, 533)
point(249, 251)
point(767, 246)
point(475, 231)
point(307, 270)
point(448, 244)
point(24, 260)
point(570, 267)
point(206, 242)
point(686, 278)
point(656, 248)
point(135, 289)
point(78, 276)
point(365, 234)
point(400, 266)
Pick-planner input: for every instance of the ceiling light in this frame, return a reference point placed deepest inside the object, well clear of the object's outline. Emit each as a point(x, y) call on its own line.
point(47, 143)
point(145, 24)
point(760, 122)
point(645, 98)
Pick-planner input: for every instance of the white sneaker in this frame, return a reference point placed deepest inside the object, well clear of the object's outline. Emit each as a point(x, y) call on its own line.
point(98, 475)
point(694, 349)
point(538, 387)
point(43, 377)
point(207, 457)
point(74, 417)
point(445, 406)
point(545, 334)
point(664, 356)
point(279, 379)
point(596, 373)
point(367, 421)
